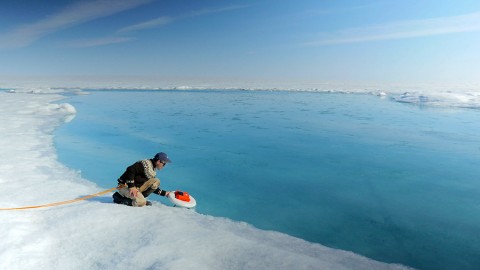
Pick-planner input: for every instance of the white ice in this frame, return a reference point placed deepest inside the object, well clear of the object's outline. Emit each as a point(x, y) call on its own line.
point(97, 234)
point(463, 95)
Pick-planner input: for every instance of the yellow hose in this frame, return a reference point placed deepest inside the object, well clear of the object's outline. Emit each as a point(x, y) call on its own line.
point(61, 203)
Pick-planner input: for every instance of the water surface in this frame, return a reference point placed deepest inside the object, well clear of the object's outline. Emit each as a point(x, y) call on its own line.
point(394, 182)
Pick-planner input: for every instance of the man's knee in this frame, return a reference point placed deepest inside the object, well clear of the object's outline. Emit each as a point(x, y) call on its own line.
point(155, 183)
point(139, 202)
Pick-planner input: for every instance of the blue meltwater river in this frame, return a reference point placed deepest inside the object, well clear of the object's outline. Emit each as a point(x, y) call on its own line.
point(394, 182)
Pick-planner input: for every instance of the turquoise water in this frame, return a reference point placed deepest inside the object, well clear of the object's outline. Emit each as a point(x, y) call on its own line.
point(394, 182)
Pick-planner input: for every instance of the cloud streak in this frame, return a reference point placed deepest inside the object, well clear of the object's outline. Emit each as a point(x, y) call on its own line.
point(164, 20)
point(402, 30)
point(73, 15)
point(95, 42)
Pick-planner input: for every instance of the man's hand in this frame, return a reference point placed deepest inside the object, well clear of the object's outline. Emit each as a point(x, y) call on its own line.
point(120, 185)
point(133, 191)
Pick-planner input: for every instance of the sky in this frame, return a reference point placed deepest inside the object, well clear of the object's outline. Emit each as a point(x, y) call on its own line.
point(351, 41)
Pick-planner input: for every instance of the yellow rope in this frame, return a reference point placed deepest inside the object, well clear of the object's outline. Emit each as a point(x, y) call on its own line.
point(61, 203)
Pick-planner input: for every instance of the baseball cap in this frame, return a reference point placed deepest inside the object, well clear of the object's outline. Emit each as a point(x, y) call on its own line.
point(162, 156)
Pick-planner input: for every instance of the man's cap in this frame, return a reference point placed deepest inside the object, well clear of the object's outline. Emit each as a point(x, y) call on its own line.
point(162, 156)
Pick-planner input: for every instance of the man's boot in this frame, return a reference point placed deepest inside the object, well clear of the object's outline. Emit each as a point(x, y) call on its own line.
point(117, 198)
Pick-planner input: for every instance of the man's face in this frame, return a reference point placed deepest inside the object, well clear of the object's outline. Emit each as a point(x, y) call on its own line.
point(160, 164)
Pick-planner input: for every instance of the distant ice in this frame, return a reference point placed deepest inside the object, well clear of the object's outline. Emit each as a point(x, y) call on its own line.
point(97, 234)
point(453, 95)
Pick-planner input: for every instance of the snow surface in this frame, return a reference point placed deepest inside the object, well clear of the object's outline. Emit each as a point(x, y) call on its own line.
point(97, 234)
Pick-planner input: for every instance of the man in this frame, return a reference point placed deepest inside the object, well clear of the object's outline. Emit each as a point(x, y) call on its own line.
point(139, 181)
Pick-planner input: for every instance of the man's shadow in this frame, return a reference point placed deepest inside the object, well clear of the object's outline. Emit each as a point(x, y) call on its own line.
point(108, 199)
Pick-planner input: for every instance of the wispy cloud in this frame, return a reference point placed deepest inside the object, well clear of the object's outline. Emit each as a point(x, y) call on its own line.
point(164, 20)
point(214, 10)
point(338, 10)
point(94, 42)
point(148, 24)
point(73, 15)
point(401, 30)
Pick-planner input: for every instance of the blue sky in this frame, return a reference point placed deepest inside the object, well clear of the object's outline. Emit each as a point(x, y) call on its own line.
point(382, 41)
